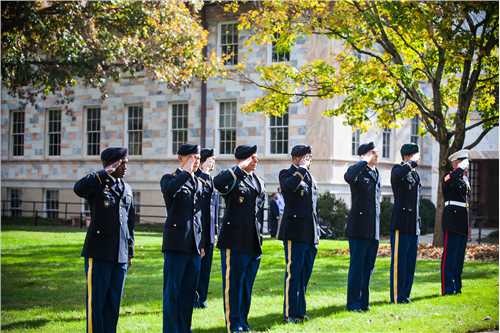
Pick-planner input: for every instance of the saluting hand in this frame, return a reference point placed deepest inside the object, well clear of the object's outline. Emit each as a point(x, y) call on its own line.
point(112, 167)
point(464, 164)
point(415, 158)
point(245, 163)
point(188, 165)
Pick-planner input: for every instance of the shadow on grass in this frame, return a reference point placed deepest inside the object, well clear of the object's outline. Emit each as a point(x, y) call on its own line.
point(28, 324)
point(266, 322)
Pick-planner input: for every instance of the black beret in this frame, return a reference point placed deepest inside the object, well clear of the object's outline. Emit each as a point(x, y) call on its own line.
point(300, 150)
point(113, 154)
point(409, 149)
point(188, 149)
point(366, 147)
point(243, 152)
point(205, 154)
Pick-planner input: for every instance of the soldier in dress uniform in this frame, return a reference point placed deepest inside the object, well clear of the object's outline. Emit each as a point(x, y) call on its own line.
point(239, 238)
point(209, 217)
point(405, 223)
point(299, 231)
point(363, 225)
point(183, 245)
point(109, 244)
point(456, 190)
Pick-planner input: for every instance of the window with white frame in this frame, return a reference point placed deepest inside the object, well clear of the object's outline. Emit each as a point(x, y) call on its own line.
point(93, 131)
point(52, 203)
point(229, 42)
point(15, 201)
point(227, 127)
point(279, 55)
point(356, 134)
point(180, 113)
point(414, 130)
point(278, 127)
point(54, 132)
point(386, 143)
point(137, 205)
point(135, 129)
point(17, 133)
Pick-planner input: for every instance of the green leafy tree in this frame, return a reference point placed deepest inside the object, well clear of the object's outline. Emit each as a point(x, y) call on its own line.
point(435, 60)
point(49, 46)
point(333, 212)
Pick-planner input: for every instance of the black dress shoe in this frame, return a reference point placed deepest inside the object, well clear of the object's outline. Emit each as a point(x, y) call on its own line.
point(294, 320)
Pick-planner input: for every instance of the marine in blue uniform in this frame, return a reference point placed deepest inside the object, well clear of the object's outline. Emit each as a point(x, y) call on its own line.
point(363, 226)
point(456, 190)
point(209, 216)
point(239, 238)
point(183, 244)
point(299, 231)
point(109, 244)
point(405, 223)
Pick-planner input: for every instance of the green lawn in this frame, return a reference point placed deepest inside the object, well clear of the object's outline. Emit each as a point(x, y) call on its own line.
point(43, 290)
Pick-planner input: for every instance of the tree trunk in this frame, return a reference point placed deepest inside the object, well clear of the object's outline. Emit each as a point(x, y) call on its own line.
point(443, 169)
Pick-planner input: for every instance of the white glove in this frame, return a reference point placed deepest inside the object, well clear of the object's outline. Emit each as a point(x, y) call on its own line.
point(464, 164)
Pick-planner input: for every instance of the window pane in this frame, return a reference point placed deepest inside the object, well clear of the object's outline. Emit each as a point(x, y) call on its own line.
point(279, 134)
point(54, 132)
point(93, 131)
point(180, 122)
point(229, 43)
point(135, 130)
point(227, 127)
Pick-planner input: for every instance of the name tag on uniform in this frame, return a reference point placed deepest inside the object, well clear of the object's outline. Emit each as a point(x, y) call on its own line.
point(301, 193)
point(242, 199)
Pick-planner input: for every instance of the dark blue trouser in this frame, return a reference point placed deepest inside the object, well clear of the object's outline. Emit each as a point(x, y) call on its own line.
point(238, 275)
point(403, 260)
point(204, 277)
point(452, 262)
point(299, 259)
point(180, 271)
point(105, 282)
point(363, 253)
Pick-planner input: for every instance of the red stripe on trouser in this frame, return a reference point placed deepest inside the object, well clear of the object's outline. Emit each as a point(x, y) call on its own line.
point(443, 262)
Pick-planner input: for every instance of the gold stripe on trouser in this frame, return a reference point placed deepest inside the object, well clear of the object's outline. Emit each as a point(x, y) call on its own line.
point(289, 275)
point(395, 273)
point(226, 290)
point(89, 296)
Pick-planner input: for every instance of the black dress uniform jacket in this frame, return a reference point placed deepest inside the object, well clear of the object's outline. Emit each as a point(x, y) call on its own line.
point(455, 188)
point(183, 229)
point(244, 195)
point(300, 219)
point(405, 183)
point(110, 235)
point(364, 218)
point(209, 207)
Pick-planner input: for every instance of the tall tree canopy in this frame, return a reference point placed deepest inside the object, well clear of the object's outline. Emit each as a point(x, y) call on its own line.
point(48, 45)
point(437, 60)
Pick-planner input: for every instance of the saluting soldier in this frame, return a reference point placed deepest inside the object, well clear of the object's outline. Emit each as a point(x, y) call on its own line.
point(109, 244)
point(405, 223)
point(239, 238)
point(299, 231)
point(456, 190)
point(182, 240)
point(209, 217)
point(363, 225)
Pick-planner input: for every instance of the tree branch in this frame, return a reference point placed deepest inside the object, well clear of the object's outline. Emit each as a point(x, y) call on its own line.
point(479, 138)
